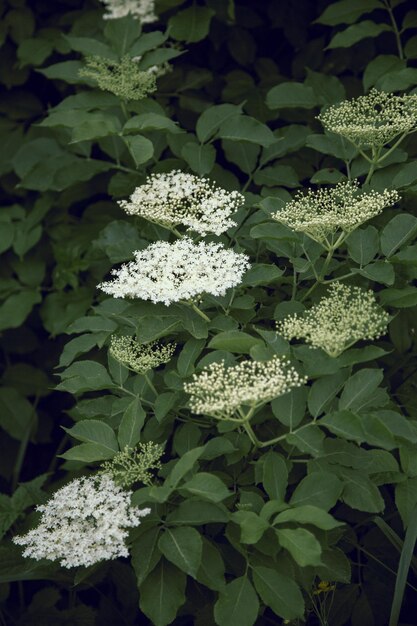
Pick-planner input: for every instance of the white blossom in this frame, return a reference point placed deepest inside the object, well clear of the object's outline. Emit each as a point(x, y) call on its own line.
point(140, 357)
point(143, 10)
point(174, 272)
point(347, 315)
point(220, 391)
point(84, 522)
point(372, 120)
point(328, 214)
point(175, 198)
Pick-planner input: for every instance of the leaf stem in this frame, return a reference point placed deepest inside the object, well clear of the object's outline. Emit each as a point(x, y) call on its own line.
point(199, 312)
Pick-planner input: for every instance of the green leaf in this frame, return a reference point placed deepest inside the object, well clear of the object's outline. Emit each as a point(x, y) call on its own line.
point(84, 376)
point(88, 453)
point(200, 158)
point(151, 121)
point(290, 408)
point(360, 493)
point(320, 489)
point(131, 424)
point(97, 125)
point(332, 144)
point(406, 499)
point(79, 345)
point(346, 11)
point(17, 414)
point(94, 431)
point(327, 89)
point(252, 526)
point(301, 544)
point(245, 128)
point(162, 593)
point(188, 356)
point(344, 424)
point(291, 96)
point(191, 25)
point(197, 512)
point(275, 475)
point(324, 390)
point(356, 33)
point(406, 176)
point(234, 341)
point(379, 67)
point(278, 591)
point(399, 298)
point(183, 547)
point(275, 175)
point(363, 244)
point(212, 118)
point(140, 148)
point(206, 486)
point(397, 232)
point(360, 388)
point(308, 514)
point(238, 605)
point(145, 553)
point(211, 572)
point(17, 307)
point(403, 568)
point(122, 33)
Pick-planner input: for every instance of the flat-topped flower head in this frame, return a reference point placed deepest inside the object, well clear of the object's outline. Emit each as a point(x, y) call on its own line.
point(138, 357)
point(329, 214)
point(347, 315)
point(372, 120)
point(143, 10)
point(135, 465)
point(176, 198)
point(123, 78)
point(83, 523)
point(180, 271)
point(220, 391)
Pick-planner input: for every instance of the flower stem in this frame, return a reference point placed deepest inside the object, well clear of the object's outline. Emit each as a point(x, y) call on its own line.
point(395, 29)
point(150, 383)
point(199, 312)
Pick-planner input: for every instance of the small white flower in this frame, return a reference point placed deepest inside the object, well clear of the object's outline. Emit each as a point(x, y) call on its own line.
point(83, 523)
point(140, 357)
point(347, 315)
point(143, 10)
point(174, 272)
point(328, 215)
point(220, 391)
point(372, 120)
point(175, 198)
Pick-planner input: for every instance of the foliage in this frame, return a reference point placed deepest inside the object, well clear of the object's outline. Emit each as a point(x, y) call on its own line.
point(297, 509)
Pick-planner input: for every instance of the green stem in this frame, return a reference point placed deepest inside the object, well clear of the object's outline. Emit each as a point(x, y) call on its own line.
point(23, 446)
point(395, 29)
point(150, 384)
point(199, 312)
point(396, 144)
point(322, 273)
point(270, 442)
point(249, 430)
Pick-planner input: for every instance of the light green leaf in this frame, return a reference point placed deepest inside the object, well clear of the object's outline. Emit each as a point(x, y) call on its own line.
point(234, 341)
point(346, 11)
point(238, 605)
point(212, 118)
point(321, 489)
point(206, 486)
point(397, 232)
point(278, 591)
point(360, 388)
point(190, 25)
point(245, 128)
point(344, 424)
point(140, 148)
point(200, 158)
point(308, 514)
point(183, 547)
point(162, 593)
point(291, 96)
point(301, 544)
point(356, 33)
point(94, 431)
point(252, 526)
point(84, 376)
point(131, 424)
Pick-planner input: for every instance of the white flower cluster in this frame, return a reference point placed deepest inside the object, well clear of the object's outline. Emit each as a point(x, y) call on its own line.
point(173, 272)
point(326, 213)
point(372, 120)
point(143, 10)
point(140, 357)
point(83, 523)
point(175, 198)
point(220, 391)
point(347, 315)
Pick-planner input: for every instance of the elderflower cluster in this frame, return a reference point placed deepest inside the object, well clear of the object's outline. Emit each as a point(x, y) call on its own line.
point(140, 357)
point(372, 120)
point(143, 10)
point(220, 391)
point(175, 198)
point(130, 466)
point(123, 78)
point(327, 213)
point(174, 272)
point(83, 523)
point(347, 315)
